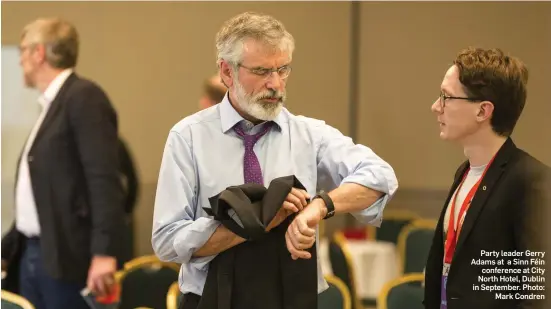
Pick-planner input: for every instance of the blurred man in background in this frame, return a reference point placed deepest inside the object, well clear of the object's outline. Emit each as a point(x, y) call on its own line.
point(68, 193)
point(213, 92)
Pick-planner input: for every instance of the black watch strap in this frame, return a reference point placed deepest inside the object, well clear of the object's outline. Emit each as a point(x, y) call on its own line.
point(328, 203)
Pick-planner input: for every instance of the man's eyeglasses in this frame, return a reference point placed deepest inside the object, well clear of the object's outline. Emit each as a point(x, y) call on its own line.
point(444, 97)
point(282, 71)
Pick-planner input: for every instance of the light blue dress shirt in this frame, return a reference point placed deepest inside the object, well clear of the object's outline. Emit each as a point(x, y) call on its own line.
point(203, 156)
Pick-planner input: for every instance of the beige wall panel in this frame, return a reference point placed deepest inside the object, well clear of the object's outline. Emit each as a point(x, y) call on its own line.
point(151, 58)
point(405, 50)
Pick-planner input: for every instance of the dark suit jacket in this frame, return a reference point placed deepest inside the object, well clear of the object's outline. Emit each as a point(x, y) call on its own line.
point(260, 272)
point(74, 169)
point(506, 214)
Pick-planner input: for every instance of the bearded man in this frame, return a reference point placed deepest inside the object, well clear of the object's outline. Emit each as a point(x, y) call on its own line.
point(251, 139)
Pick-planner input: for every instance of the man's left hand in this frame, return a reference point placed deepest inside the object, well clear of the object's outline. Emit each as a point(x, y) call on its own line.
point(101, 275)
point(301, 234)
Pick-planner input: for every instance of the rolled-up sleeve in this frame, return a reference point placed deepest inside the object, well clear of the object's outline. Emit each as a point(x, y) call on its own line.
point(176, 234)
point(340, 160)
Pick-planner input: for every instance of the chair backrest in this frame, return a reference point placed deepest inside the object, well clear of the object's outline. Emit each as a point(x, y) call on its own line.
point(414, 245)
point(174, 296)
point(14, 301)
point(145, 283)
point(404, 292)
point(342, 266)
point(393, 223)
point(337, 296)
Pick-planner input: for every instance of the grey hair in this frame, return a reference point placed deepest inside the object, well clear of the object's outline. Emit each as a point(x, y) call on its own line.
point(262, 28)
point(60, 39)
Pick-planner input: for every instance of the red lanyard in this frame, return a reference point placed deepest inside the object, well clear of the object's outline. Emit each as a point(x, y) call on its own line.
point(453, 235)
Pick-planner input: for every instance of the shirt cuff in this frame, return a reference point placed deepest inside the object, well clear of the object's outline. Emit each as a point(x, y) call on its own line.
point(373, 215)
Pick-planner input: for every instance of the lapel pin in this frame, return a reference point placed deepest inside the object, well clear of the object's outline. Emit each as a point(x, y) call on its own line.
point(484, 188)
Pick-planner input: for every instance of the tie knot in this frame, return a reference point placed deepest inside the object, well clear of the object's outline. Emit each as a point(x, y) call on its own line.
point(250, 140)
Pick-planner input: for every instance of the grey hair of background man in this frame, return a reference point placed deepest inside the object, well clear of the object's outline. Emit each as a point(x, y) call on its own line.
point(59, 37)
point(258, 27)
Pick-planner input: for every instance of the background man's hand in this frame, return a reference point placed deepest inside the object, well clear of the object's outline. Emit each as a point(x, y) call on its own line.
point(101, 275)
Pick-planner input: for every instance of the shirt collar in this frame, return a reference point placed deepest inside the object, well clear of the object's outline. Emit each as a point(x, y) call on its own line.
point(53, 88)
point(230, 117)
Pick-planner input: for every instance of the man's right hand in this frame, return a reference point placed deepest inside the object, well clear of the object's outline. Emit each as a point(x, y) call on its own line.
point(296, 200)
point(100, 275)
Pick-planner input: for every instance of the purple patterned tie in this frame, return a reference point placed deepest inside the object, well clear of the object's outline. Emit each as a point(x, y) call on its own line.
point(251, 166)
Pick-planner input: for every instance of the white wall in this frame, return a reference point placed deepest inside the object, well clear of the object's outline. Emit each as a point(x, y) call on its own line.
point(19, 112)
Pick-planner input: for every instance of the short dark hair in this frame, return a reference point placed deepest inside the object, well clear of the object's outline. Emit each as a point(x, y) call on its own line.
point(492, 75)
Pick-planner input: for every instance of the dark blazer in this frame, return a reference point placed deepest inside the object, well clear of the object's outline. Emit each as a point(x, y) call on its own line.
point(260, 272)
point(506, 214)
point(74, 168)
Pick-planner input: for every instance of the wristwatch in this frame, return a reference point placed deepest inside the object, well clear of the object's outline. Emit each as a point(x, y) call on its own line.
point(328, 203)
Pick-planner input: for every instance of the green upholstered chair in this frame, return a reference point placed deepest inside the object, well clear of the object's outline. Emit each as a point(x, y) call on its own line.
point(343, 267)
point(405, 292)
point(14, 301)
point(145, 282)
point(174, 297)
point(393, 223)
point(414, 245)
point(337, 296)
